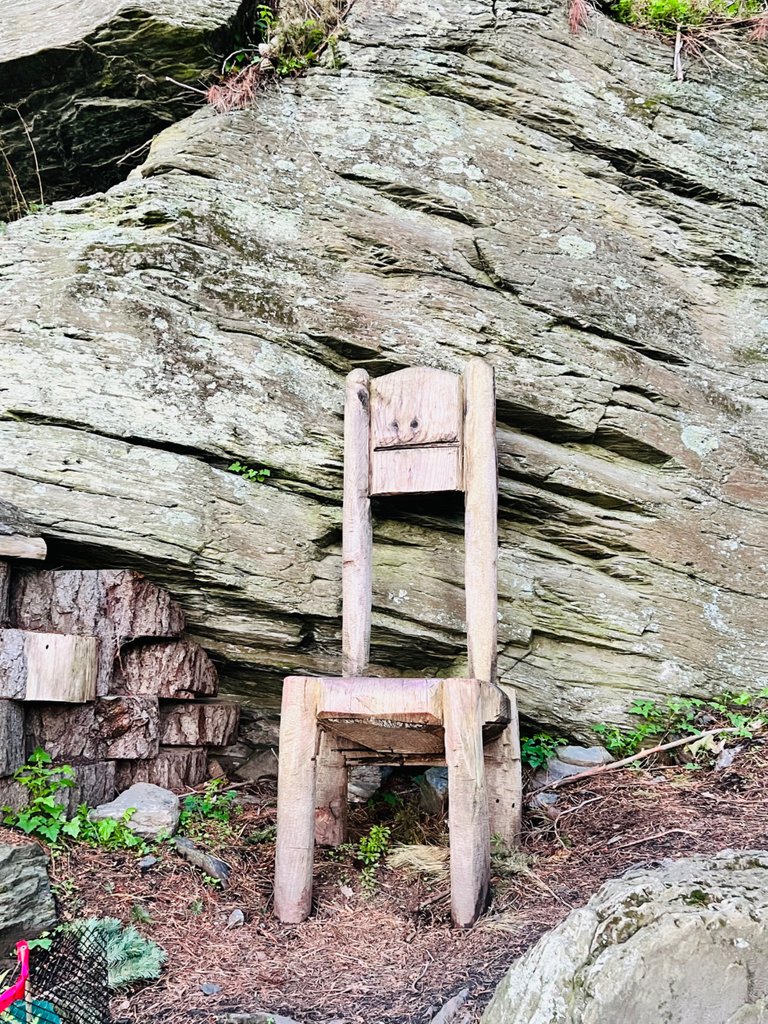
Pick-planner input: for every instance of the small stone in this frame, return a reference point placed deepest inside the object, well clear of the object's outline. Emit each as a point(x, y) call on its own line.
point(236, 919)
point(147, 862)
point(364, 781)
point(433, 789)
point(727, 756)
point(585, 757)
point(209, 989)
point(212, 866)
point(156, 810)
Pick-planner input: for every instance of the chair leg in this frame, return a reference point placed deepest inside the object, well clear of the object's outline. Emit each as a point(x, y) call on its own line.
point(331, 794)
point(294, 853)
point(470, 841)
point(504, 780)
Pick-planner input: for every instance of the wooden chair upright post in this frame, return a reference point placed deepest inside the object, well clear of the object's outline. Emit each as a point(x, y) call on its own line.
point(415, 431)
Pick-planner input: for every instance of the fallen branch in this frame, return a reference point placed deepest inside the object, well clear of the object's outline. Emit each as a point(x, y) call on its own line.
point(591, 772)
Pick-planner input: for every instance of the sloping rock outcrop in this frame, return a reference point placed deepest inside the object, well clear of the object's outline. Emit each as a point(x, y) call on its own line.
point(683, 943)
point(83, 85)
point(475, 181)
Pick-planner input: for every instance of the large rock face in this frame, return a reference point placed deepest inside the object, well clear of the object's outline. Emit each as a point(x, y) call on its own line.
point(474, 181)
point(85, 83)
point(685, 943)
point(26, 902)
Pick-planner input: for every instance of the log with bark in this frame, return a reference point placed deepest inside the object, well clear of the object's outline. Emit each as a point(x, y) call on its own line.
point(198, 723)
point(114, 605)
point(176, 669)
point(111, 727)
point(175, 768)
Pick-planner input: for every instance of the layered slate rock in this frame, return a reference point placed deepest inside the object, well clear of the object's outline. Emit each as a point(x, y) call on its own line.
point(26, 901)
point(682, 943)
point(475, 181)
point(84, 84)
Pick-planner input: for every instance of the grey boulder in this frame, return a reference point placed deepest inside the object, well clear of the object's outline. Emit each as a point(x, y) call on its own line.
point(685, 943)
point(156, 810)
point(26, 902)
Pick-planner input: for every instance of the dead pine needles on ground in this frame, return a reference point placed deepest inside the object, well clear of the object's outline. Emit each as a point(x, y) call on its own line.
point(388, 953)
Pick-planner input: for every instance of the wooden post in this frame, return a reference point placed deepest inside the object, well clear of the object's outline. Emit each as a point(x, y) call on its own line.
point(331, 793)
point(294, 854)
point(481, 484)
point(470, 840)
point(503, 779)
point(356, 546)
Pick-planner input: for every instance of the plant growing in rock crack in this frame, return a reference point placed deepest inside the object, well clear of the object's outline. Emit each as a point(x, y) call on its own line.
point(289, 38)
point(694, 24)
point(257, 475)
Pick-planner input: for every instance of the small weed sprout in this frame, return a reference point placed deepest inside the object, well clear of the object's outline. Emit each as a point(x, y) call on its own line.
point(370, 851)
point(208, 816)
point(257, 475)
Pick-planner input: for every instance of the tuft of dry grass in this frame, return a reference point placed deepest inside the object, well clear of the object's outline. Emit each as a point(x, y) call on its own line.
point(578, 15)
point(417, 859)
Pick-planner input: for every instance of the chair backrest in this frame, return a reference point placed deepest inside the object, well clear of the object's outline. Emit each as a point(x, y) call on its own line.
point(419, 431)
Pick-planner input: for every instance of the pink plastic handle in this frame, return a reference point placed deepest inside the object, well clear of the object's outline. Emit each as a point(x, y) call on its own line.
point(17, 990)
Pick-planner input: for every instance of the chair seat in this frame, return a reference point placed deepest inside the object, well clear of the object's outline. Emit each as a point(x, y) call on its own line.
point(402, 717)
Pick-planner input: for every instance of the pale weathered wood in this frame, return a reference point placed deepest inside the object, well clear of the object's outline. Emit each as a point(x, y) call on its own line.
point(15, 545)
point(356, 538)
point(47, 666)
point(11, 737)
point(368, 698)
point(503, 779)
point(108, 728)
point(114, 605)
point(469, 835)
point(175, 669)
point(175, 768)
point(198, 723)
point(416, 470)
point(388, 737)
point(331, 793)
point(416, 406)
point(480, 523)
point(294, 853)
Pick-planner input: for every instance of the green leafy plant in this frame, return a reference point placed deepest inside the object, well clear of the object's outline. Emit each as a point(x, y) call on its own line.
point(742, 714)
point(258, 475)
point(45, 816)
point(537, 749)
point(672, 15)
point(370, 850)
point(208, 815)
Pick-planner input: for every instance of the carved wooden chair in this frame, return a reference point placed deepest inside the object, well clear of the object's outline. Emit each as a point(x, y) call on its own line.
point(414, 431)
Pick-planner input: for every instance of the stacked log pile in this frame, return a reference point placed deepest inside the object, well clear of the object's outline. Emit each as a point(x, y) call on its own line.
point(95, 670)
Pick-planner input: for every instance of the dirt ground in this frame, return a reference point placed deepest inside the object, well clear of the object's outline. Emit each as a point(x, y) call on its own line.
point(391, 957)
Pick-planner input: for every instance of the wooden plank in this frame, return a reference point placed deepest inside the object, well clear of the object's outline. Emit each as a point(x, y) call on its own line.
point(416, 406)
point(114, 605)
point(504, 781)
point(198, 723)
point(416, 470)
point(173, 669)
point(11, 737)
point(356, 537)
point(47, 666)
point(470, 843)
point(109, 728)
point(388, 737)
point(481, 486)
point(331, 794)
point(15, 545)
point(369, 698)
point(294, 853)
point(174, 768)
